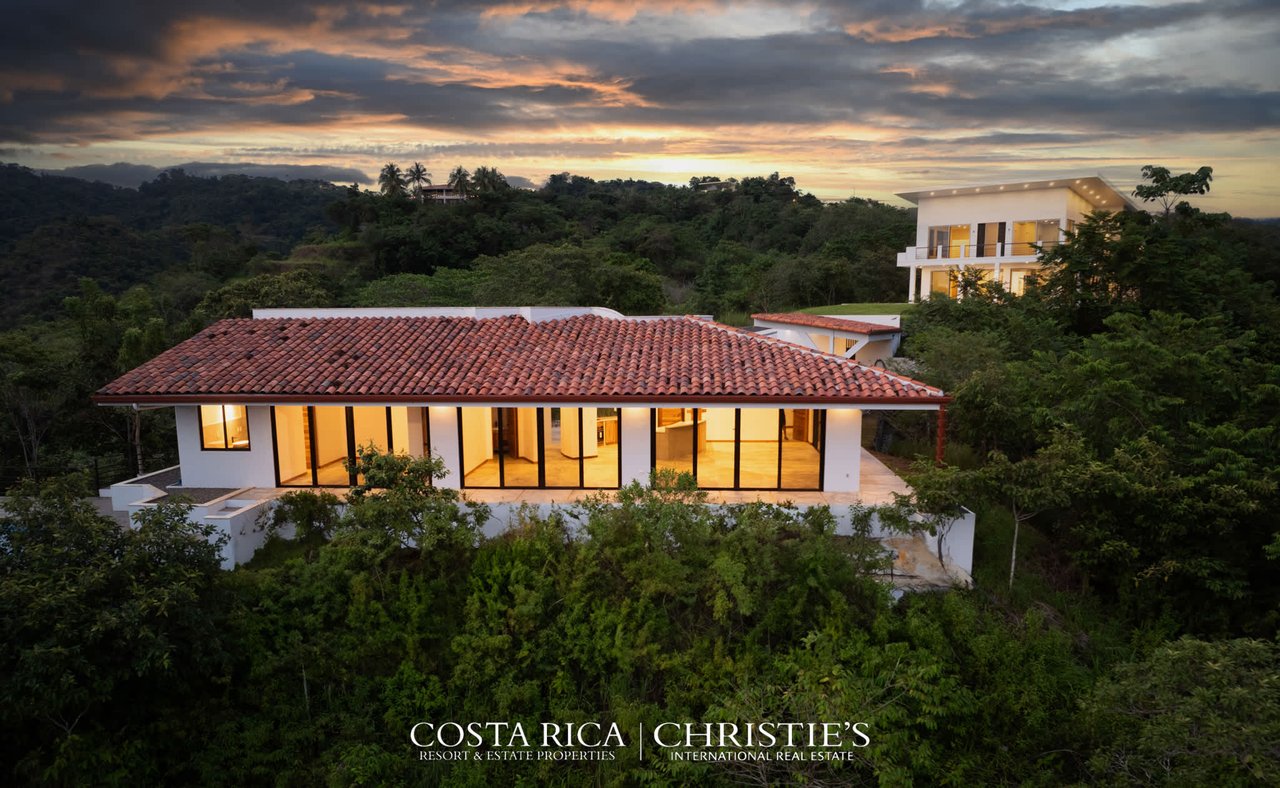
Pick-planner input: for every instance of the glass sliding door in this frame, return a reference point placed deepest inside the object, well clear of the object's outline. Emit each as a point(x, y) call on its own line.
point(676, 433)
point(313, 443)
point(717, 456)
point(293, 446)
point(519, 449)
point(602, 447)
point(744, 448)
point(329, 436)
point(802, 435)
point(563, 451)
point(536, 448)
point(759, 451)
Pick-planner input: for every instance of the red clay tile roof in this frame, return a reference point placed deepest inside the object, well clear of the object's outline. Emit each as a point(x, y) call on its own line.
point(458, 359)
point(828, 322)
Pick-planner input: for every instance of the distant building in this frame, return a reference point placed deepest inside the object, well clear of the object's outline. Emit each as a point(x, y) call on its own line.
point(715, 186)
point(442, 192)
point(997, 228)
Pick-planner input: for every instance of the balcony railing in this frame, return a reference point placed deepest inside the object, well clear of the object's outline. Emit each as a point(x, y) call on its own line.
point(971, 251)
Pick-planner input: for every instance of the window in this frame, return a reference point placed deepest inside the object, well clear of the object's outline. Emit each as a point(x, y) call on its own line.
point(742, 449)
point(1029, 235)
point(224, 427)
point(540, 448)
point(948, 240)
point(315, 443)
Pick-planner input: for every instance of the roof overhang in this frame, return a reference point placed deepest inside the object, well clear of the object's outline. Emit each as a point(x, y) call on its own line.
point(853, 328)
point(1091, 187)
point(877, 403)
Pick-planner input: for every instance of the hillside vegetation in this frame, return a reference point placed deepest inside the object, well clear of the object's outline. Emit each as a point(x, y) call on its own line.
point(1116, 428)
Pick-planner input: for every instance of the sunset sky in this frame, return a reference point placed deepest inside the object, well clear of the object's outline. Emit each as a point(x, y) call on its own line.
point(850, 98)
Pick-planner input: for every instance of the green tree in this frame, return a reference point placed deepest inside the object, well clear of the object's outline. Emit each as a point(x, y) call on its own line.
point(418, 177)
point(296, 288)
point(460, 181)
point(1193, 713)
point(487, 180)
point(1165, 187)
point(391, 181)
point(112, 637)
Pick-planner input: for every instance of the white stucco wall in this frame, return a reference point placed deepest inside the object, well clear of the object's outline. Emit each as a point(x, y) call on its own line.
point(877, 350)
point(1015, 205)
point(232, 469)
point(843, 450)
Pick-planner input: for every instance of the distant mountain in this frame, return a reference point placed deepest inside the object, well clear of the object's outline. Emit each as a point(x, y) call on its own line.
point(134, 175)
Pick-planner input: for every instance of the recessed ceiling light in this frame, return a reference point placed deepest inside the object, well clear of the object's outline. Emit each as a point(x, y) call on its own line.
point(1051, 183)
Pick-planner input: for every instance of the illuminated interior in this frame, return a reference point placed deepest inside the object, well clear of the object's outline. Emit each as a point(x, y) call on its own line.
point(745, 448)
point(314, 443)
point(540, 447)
point(224, 427)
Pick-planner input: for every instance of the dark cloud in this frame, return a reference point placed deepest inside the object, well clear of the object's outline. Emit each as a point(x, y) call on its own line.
point(132, 175)
point(74, 71)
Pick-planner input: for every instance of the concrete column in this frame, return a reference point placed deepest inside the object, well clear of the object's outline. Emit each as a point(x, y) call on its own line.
point(843, 464)
point(911, 286)
point(635, 434)
point(444, 443)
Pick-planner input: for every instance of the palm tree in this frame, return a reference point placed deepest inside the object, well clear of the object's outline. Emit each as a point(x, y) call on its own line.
point(460, 180)
point(419, 177)
point(391, 181)
point(488, 180)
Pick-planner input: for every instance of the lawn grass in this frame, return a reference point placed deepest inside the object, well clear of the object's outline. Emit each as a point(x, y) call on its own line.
point(860, 309)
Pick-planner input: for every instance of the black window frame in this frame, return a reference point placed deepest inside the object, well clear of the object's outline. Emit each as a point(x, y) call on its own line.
point(541, 414)
point(820, 415)
point(226, 438)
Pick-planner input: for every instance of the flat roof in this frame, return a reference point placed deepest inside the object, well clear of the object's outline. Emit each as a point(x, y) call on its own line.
point(581, 358)
point(1092, 187)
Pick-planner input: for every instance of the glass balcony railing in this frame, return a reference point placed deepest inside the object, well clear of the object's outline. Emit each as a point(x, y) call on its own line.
point(968, 251)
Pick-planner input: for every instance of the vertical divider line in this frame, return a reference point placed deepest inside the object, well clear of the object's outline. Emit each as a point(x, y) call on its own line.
point(737, 448)
point(782, 432)
point(541, 453)
point(351, 444)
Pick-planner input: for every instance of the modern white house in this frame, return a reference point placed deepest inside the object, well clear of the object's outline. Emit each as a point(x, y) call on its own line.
point(866, 339)
point(533, 405)
point(997, 228)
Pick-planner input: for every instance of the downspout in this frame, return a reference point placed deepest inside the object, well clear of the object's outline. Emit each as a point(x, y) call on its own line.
point(137, 436)
point(941, 445)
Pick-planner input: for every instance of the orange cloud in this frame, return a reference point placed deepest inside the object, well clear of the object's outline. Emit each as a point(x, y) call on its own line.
point(610, 10)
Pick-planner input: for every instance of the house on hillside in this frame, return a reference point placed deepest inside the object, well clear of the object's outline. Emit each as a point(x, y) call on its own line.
point(442, 192)
point(536, 405)
point(849, 337)
point(996, 228)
